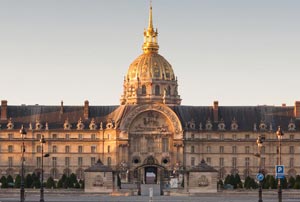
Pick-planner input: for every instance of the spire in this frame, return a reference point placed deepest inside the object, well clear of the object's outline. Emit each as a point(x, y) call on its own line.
point(150, 35)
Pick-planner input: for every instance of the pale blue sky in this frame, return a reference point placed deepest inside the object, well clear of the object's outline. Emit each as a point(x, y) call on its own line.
point(238, 52)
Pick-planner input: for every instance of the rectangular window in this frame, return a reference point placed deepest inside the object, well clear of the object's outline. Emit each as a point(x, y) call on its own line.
point(10, 136)
point(79, 161)
point(80, 136)
point(11, 148)
point(234, 149)
point(38, 162)
point(108, 161)
point(54, 136)
point(10, 162)
point(54, 162)
point(221, 136)
point(292, 151)
point(192, 161)
point(208, 136)
point(54, 149)
point(67, 149)
point(38, 136)
point(247, 149)
point(93, 161)
point(221, 162)
point(208, 160)
point(247, 136)
point(192, 149)
point(221, 149)
point(67, 136)
point(208, 149)
point(291, 137)
point(93, 149)
point(247, 162)
point(80, 149)
point(67, 161)
point(93, 136)
point(291, 162)
point(234, 162)
point(165, 145)
point(234, 137)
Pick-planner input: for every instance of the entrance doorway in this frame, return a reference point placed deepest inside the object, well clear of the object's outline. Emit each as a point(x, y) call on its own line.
point(150, 175)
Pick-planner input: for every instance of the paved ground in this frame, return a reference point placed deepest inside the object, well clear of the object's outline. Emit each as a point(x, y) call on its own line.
point(82, 197)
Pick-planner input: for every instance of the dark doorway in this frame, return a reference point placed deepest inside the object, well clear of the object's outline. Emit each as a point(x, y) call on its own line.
point(150, 175)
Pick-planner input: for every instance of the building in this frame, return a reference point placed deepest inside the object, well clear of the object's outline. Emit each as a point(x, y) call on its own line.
point(149, 137)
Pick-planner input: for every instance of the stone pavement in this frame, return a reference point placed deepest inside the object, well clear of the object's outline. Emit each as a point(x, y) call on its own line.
point(83, 197)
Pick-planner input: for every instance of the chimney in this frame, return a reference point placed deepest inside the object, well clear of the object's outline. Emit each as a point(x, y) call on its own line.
point(296, 110)
point(86, 109)
point(61, 107)
point(3, 109)
point(216, 111)
point(283, 105)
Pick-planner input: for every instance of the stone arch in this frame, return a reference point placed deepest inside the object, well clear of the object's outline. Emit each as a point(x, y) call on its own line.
point(67, 171)
point(163, 109)
point(292, 172)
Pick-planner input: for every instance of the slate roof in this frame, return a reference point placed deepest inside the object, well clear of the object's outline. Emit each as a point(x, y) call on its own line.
point(246, 116)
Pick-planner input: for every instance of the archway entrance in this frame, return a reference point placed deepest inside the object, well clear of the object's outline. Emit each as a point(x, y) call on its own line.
point(150, 175)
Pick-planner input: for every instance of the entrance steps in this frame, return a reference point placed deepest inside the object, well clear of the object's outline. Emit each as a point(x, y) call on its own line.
point(145, 189)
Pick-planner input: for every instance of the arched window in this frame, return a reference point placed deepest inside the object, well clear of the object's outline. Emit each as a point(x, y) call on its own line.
point(144, 90)
point(169, 90)
point(157, 90)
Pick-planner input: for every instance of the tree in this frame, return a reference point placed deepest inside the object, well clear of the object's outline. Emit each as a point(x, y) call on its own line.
point(18, 181)
point(292, 181)
point(3, 182)
point(60, 184)
point(73, 178)
point(237, 181)
point(10, 181)
point(28, 181)
point(247, 182)
point(50, 183)
point(227, 179)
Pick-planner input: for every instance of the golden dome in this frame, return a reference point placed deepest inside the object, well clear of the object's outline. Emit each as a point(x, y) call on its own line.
point(150, 66)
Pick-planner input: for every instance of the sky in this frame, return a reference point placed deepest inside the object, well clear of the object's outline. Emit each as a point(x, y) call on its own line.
point(241, 53)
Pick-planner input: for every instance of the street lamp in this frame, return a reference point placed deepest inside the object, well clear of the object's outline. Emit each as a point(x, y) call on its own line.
point(259, 142)
point(279, 134)
point(42, 141)
point(22, 191)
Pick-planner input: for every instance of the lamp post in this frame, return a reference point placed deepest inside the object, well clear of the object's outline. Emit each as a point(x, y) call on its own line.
point(279, 134)
point(22, 190)
point(42, 141)
point(259, 143)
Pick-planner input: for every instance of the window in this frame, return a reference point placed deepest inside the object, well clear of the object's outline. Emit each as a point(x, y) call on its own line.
point(80, 136)
point(108, 161)
point(291, 162)
point(11, 148)
point(192, 136)
point(67, 161)
point(10, 162)
point(93, 136)
point(263, 150)
point(234, 162)
point(192, 161)
point(291, 137)
point(247, 162)
point(67, 136)
point(144, 90)
point(221, 136)
point(93, 149)
point(38, 162)
point(67, 149)
point(234, 137)
point(38, 136)
point(208, 160)
point(54, 149)
point(165, 144)
point(10, 136)
point(234, 149)
point(38, 149)
point(292, 150)
point(54, 136)
point(157, 90)
point(221, 162)
point(247, 149)
point(208, 149)
point(192, 149)
point(79, 161)
point(169, 90)
point(221, 149)
point(80, 150)
point(54, 162)
point(208, 136)
point(247, 136)
point(93, 161)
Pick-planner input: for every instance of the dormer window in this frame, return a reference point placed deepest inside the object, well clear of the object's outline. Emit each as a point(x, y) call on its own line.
point(144, 92)
point(157, 90)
